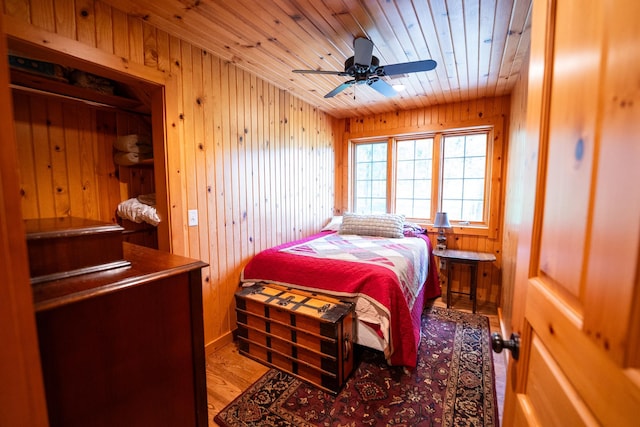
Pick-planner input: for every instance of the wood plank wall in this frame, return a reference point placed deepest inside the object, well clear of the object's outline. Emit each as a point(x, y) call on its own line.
point(257, 163)
point(66, 158)
point(520, 162)
point(486, 111)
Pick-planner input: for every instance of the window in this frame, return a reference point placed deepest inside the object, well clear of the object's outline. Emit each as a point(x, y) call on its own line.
point(464, 167)
point(419, 176)
point(371, 178)
point(413, 177)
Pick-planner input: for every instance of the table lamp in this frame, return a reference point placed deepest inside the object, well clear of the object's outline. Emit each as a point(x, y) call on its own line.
point(441, 222)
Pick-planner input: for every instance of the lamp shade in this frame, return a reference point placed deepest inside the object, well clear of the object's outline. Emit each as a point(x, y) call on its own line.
point(441, 221)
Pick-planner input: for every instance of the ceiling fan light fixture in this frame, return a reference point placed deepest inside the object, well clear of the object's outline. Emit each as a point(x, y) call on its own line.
point(399, 87)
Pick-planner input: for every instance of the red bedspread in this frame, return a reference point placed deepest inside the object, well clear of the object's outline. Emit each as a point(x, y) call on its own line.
point(352, 279)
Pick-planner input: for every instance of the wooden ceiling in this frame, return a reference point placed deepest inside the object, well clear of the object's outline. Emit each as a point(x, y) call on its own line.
point(479, 45)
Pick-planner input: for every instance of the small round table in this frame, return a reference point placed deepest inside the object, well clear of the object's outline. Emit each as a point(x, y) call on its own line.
point(469, 258)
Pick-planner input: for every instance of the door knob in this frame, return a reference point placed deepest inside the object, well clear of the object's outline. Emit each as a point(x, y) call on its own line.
point(513, 344)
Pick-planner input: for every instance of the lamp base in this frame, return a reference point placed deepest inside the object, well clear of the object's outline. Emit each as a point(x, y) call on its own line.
point(441, 243)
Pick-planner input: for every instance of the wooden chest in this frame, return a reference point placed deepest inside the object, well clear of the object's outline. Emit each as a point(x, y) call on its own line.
point(304, 334)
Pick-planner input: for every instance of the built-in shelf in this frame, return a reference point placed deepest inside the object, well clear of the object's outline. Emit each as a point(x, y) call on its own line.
point(22, 80)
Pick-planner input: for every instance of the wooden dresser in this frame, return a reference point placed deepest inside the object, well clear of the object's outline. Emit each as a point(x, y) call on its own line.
point(304, 334)
point(69, 246)
point(125, 346)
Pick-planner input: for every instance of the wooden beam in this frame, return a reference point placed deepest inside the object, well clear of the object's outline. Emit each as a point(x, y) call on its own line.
point(50, 46)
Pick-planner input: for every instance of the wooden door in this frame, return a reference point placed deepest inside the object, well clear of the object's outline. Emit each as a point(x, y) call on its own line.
point(22, 399)
point(579, 286)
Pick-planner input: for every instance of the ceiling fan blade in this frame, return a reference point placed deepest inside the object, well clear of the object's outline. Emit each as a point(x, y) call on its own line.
point(362, 51)
point(408, 67)
point(339, 89)
point(334, 73)
point(382, 87)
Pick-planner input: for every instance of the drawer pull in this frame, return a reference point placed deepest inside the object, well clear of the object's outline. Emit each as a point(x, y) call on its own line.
point(347, 347)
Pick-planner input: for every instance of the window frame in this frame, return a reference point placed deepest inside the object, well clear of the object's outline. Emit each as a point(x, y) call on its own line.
point(487, 172)
point(476, 228)
point(352, 167)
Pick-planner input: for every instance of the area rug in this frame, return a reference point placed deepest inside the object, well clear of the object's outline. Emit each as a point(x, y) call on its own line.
point(452, 385)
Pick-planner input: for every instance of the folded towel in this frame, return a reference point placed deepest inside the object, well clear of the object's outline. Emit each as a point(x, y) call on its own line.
point(137, 212)
point(133, 144)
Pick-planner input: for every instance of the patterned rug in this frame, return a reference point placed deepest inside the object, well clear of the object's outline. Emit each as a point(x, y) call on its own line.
point(452, 385)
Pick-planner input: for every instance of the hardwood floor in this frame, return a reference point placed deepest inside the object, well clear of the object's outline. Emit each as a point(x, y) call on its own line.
point(229, 373)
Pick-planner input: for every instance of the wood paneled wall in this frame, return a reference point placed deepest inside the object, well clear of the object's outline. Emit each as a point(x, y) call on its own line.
point(257, 163)
point(66, 158)
point(487, 111)
point(522, 161)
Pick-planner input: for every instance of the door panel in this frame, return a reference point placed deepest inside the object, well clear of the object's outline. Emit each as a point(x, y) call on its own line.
point(608, 391)
point(571, 141)
point(612, 298)
point(581, 320)
point(551, 393)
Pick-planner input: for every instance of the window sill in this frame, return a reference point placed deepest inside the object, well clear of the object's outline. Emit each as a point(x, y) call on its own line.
point(468, 230)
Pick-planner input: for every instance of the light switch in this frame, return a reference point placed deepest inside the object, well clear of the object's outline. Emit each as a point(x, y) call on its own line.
point(193, 217)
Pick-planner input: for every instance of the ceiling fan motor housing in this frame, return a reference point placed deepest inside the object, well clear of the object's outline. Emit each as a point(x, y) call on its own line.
point(355, 70)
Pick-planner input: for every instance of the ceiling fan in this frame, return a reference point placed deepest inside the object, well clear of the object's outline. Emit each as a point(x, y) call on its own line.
point(364, 68)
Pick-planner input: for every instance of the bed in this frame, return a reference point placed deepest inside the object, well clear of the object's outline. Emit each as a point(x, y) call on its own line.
point(387, 275)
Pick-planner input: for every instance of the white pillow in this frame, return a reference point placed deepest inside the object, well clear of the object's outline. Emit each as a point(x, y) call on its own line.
point(382, 225)
point(334, 224)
